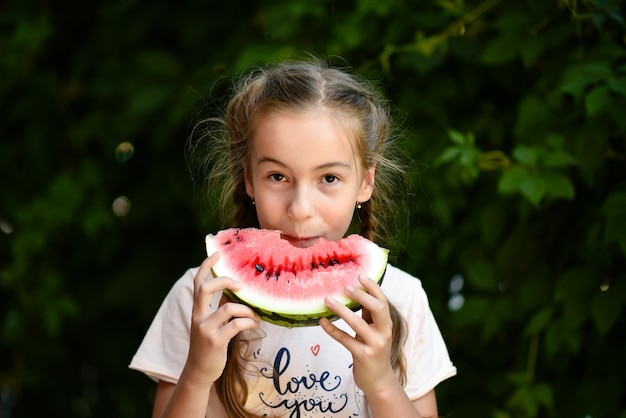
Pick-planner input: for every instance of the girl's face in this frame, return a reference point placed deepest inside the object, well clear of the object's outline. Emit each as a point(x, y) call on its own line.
point(304, 176)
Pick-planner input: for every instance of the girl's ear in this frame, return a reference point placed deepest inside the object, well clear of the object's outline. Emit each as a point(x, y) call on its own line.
point(246, 177)
point(367, 185)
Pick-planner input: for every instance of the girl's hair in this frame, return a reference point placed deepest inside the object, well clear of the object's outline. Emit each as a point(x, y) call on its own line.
point(298, 86)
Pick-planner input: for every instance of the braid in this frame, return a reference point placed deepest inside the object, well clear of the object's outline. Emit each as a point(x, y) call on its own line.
point(368, 220)
point(231, 386)
point(398, 337)
point(224, 385)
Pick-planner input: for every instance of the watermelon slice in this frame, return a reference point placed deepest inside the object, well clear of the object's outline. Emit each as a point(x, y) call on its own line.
point(286, 285)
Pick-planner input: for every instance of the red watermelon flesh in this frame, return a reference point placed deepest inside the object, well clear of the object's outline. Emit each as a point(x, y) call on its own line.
point(287, 285)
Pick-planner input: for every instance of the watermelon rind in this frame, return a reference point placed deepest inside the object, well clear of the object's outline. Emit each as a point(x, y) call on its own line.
point(299, 313)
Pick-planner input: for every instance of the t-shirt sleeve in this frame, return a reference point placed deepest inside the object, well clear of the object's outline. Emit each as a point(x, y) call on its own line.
point(163, 351)
point(427, 360)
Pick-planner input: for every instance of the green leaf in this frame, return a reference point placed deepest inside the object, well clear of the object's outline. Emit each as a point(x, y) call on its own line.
point(559, 159)
point(618, 85)
point(474, 310)
point(448, 155)
point(615, 213)
point(379, 8)
point(453, 7)
point(469, 158)
point(597, 100)
point(500, 313)
point(457, 137)
point(523, 399)
point(578, 78)
point(535, 117)
point(539, 321)
point(574, 87)
point(511, 179)
point(534, 188)
point(574, 285)
point(559, 186)
point(606, 309)
point(572, 294)
point(526, 155)
point(562, 336)
point(481, 274)
point(518, 378)
point(555, 140)
point(596, 71)
point(501, 50)
point(617, 110)
point(512, 22)
point(543, 394)
point(531, 50)
point(591, 146)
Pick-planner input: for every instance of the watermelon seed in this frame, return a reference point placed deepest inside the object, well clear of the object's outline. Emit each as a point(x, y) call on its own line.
point(227, 242)
point(313, 265)
point(333, 261)
point(259, 268)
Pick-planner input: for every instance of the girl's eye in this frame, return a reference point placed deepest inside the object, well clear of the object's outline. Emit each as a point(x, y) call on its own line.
point(329, 178)
point(277, 177)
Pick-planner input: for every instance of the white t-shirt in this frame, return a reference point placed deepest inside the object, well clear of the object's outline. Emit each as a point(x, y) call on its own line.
point(314, 376)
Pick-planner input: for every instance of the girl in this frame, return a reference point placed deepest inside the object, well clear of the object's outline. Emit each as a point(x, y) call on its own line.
point(304, 146)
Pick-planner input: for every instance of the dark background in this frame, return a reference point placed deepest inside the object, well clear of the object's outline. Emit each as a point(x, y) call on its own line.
point(513, 114)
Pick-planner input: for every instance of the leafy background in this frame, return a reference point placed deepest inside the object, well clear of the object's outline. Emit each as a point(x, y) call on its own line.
point(514, 113)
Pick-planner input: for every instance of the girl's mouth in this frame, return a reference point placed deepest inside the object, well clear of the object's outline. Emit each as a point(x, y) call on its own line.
point(301, 242)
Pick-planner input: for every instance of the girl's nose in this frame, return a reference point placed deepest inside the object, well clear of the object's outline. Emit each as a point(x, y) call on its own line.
point(302, 204)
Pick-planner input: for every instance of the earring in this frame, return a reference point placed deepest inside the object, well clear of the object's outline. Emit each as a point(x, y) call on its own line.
point(358, 205)
point(252, 199)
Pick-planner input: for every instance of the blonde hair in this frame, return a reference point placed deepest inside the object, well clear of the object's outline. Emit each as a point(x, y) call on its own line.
point(223, 144)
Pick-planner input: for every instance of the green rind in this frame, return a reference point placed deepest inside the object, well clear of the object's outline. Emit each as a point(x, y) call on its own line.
point(295, 320)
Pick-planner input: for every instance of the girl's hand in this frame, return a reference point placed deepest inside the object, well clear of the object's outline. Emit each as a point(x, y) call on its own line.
point(371, 346)
point(212, 330)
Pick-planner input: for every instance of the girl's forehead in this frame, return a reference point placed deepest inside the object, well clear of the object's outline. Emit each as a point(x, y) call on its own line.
point(344, 126)
point(312, 135)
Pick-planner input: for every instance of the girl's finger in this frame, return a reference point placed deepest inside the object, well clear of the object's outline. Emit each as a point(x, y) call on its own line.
point(205, 287)
point(372, 287)
point(204, 272)
point(356, 322)
point(203, 296)
point(375, 314)
point(373, 300)
point(229, 312)
point(236, 325)
point(339, 335)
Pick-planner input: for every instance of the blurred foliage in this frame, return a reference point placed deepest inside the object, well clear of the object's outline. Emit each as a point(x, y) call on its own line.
point(514, 112)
